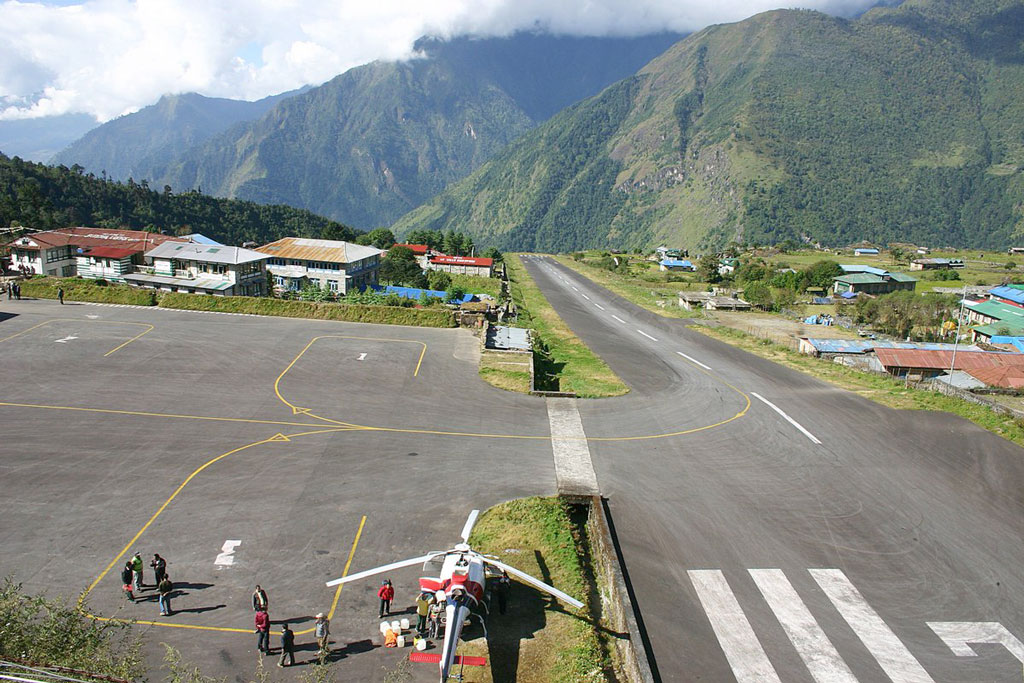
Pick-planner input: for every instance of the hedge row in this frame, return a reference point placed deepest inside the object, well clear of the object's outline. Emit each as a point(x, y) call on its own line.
point(76, 289)
point(381, 315)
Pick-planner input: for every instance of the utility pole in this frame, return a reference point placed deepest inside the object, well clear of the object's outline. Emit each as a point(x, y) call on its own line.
point(956, 339)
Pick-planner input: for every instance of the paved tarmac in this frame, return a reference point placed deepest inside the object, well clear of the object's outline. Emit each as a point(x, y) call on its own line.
point(838, 548)
point(757, 551)
point(226, 444)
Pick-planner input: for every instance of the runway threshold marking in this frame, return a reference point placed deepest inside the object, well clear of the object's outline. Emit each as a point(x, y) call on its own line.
point(273, 439)
point(693, 360)
point(890, 652)
point(732, 628)
point(785, 417)
point(149, 329)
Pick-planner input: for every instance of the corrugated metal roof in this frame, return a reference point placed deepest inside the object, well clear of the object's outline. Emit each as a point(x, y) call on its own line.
point(998, 310)
point(859, 278)
point(330, 251)
point(215, 284)
point(676, 263)
point(1009, 293)
point(508, 338)
point(1000, 328)
point(206, 253)
point(939, 360)
point(414, 248)
point(108, 252)
point(1007, 376)
point(857, 268)
point(868, 345)
point(139, 240)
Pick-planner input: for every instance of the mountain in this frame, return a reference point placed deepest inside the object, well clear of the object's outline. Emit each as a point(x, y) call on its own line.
point(132, 146)
point(40, 138)
point(46, 197)
point(380, 139)
point(906, 123)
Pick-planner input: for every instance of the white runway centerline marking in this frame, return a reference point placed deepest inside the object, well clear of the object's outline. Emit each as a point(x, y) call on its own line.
point(811, 643)
point(585, 297)
point(599, 306)
point(574, 288)
point(742, 648)
point(619, 319)
point(785, 417)
point(647, 335)
point(892, 655)
point(693, 360)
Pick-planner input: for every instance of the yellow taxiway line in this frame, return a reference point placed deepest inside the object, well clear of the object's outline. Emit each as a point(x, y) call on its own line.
point(277, 438)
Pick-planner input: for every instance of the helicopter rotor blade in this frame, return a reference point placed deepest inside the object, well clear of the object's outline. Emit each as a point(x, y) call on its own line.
point(469, 525)
point(384, 568)
point(536, 583)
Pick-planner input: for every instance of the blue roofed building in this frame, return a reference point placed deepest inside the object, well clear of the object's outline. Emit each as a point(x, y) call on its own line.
point(676, 264)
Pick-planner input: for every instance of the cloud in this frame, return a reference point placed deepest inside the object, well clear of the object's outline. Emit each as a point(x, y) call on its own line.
point(111, 57)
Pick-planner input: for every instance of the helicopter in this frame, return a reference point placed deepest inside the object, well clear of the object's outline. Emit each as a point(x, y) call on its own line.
point(461, 582)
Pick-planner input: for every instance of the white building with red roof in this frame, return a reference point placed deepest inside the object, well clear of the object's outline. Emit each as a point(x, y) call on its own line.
point(101, 252)
point(465, 265)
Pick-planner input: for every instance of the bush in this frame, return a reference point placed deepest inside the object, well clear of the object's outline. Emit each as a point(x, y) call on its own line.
point(382, 315)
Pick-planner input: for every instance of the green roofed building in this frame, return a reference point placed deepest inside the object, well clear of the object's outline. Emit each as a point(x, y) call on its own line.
point(873, 283)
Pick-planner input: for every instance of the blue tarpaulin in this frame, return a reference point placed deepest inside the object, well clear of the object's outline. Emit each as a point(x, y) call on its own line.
point(415, 293)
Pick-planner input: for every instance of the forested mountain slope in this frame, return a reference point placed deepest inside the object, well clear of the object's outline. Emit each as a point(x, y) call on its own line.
point(139, 145)
point(47, 197)
point(906, 123)
point(380, 139)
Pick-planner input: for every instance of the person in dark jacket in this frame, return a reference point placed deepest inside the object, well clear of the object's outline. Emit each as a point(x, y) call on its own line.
point(262, 620)
point(386, 593)
point(159, 566)
point(503, 589)
point(126, 580)
point(165, 587)
point(60, 295)
point(287, 646)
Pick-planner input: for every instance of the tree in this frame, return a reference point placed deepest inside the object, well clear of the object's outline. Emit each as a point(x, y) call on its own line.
point(493, 253)
point(400, 267)
point(759, 294)
point(454, 293)
point(707, 269)
point(1009, 265)
point(820, 273)
point(382, 238)
point(438, 280)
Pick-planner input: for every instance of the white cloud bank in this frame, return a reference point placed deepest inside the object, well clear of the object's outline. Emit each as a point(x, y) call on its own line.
point(111, 57)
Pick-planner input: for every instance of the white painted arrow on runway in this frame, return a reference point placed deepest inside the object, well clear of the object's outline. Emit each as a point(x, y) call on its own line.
point(957, 634)
point(65, 339)
point(227, 555)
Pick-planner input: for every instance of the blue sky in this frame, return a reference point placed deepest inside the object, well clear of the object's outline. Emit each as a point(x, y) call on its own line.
point(111, 57)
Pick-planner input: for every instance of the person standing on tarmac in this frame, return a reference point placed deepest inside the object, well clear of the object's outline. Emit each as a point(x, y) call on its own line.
point(323, 634)
point(386, 593)
point(287, 646)
point(60, 295)
point(262, 621)
point(159, 566)
point(126, 580)
point(137, 570)
point(259, 600)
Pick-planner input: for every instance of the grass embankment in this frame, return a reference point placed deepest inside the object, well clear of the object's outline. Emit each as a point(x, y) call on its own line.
point(884, 390)
point(562, 362)
point(509, 371)
point(381, 315)
point(476, 284)
point(643, 286)
point(76, 289)
point(537, 640)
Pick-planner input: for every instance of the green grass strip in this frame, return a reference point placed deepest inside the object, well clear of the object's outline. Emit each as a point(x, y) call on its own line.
point(562, 353)
point(77, 289)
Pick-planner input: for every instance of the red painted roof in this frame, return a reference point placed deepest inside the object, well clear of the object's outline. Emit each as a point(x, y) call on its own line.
point(110, 252)
point(1008, 376)
point(940, 360)
point(462, 261)
point(415, 248)
point(136, 240)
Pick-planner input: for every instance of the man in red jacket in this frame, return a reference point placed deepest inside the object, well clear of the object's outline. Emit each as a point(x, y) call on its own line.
point(262, 620)
point(386, 593)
